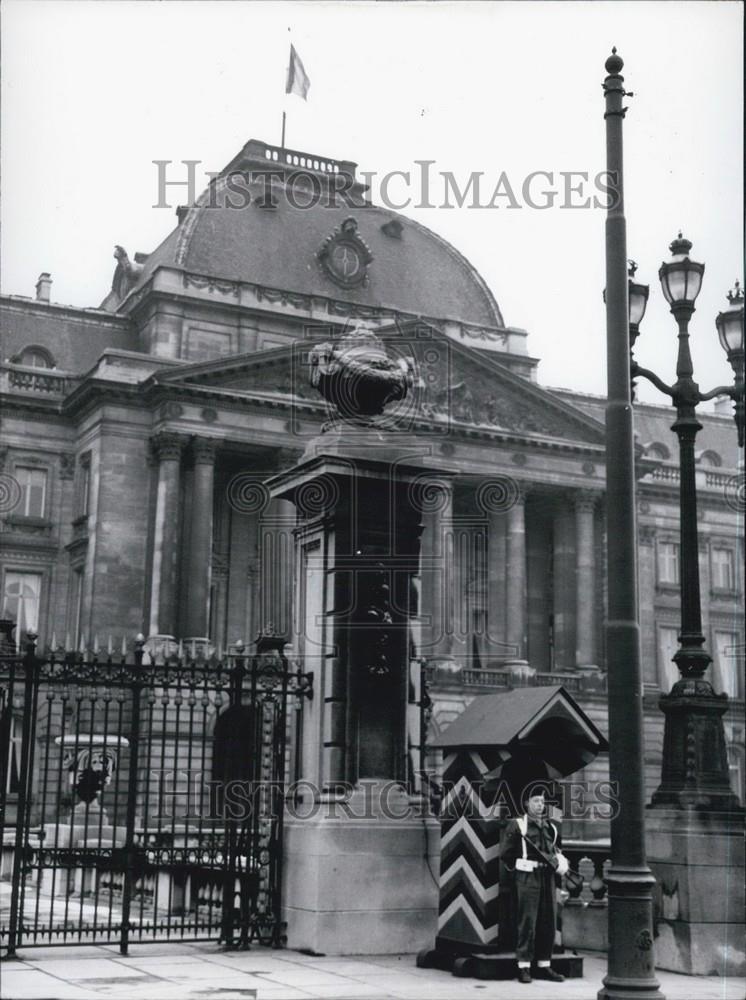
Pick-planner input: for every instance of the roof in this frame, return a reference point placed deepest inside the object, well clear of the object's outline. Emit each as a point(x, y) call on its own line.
point(500, 719)
point(652, 423)
point(413, 270)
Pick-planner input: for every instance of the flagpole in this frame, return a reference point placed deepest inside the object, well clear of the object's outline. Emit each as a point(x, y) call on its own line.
point(285, 97)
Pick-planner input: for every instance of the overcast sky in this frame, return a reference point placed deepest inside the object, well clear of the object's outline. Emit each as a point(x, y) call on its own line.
point(93, 92)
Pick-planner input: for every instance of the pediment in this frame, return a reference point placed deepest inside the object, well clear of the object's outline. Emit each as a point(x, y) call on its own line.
point(281, 372)
point(455, 386)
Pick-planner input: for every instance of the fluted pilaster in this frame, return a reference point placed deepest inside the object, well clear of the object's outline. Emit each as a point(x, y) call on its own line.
point(515, 603)
point(199, 554)
point(167, 449)
point(585, 577)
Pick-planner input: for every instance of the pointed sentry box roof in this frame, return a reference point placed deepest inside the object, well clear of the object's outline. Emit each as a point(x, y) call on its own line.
point(508, 719)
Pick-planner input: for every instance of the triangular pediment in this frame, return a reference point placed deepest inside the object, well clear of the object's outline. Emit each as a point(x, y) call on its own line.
point(456, 386)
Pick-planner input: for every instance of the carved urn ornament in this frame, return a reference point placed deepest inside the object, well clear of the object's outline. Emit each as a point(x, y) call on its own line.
point(357, 377)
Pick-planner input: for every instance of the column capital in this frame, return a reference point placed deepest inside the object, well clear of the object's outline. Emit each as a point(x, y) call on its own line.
point(523, 489)
point(498, 493)
point(431, 493)
point(585, 500)
point(167, 446)
point(204, 450)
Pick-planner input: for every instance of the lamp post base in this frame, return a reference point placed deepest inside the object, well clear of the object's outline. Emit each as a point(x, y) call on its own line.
point(695, 764)
point(631, 957)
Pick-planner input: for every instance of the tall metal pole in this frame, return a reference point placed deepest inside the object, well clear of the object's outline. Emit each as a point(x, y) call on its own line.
point(631, 960)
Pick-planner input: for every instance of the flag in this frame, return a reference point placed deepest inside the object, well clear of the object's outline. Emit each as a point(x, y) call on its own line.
point(297, 82)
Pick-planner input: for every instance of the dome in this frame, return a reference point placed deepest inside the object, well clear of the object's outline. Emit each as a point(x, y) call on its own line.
point(398, 264)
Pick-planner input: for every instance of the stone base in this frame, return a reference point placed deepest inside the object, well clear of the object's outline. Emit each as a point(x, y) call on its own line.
point(356, 880)
point(499, 966)
point(698, 862)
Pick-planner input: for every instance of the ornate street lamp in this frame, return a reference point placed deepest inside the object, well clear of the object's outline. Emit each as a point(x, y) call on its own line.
point(638, 301)
point(730, 332)
point(695, 768)
point(637, 296)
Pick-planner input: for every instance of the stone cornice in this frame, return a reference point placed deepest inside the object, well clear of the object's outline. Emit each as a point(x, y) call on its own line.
point(232, 399)
point(95, 392)
point(669, 494)
point(83, 315)
point(230, 291)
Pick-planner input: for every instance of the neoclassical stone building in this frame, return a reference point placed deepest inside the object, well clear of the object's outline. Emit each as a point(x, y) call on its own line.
point(137, 436)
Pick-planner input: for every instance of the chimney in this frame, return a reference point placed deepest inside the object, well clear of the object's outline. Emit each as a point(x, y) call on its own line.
point(43, 287)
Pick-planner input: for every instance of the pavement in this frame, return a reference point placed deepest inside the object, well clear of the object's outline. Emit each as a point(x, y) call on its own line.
point(182, 971)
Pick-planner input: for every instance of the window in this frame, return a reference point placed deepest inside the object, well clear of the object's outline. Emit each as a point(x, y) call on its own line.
point(21, 600)
point(35, 357)
point(83, 495)
point(728, 666)
point(710, 459)
point(77, 605)
point(668, 562)
point(658, 450)
point(33, 483)
point(668, 643)
point(723, 569)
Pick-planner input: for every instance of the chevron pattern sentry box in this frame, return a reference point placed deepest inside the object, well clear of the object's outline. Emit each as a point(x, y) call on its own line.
point(470, 839)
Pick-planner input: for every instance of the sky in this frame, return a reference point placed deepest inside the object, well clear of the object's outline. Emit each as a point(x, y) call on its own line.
point(93, 92)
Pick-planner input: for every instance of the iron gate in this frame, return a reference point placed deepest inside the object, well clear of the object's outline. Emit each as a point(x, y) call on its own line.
point(142, 796)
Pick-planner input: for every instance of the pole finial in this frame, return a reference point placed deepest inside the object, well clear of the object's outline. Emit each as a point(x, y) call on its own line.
point(614, 63)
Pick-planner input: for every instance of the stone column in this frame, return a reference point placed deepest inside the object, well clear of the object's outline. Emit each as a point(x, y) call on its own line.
point(564, 586)
point(585, 503)
point(199, 556)
point(167, 448)
point(515, 602)
point(437, 571)
point(496, 584)
point(276, 544)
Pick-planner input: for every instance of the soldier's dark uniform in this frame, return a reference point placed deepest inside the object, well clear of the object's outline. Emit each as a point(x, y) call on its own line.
point(535, 894)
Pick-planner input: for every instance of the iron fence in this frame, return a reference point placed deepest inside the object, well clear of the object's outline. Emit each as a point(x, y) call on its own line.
point(141, 797)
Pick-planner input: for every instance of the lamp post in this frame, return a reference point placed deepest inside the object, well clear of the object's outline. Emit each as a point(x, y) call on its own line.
point(695, 767)
point(631, 958)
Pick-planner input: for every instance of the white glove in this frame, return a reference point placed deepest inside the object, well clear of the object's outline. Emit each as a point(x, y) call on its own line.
point(563, 865)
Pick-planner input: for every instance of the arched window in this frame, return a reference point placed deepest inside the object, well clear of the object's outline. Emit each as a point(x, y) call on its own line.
point(35, 357)
point(711, 459)
point(658, 450)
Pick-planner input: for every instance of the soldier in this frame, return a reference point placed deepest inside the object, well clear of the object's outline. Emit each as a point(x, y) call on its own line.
point(531, 848)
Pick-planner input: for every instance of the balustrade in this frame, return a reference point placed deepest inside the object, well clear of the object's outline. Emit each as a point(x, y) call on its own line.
point(589, 861)
point(34, 380)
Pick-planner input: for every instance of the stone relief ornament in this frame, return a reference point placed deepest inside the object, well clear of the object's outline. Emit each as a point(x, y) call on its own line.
point(345, 256)
point(356, 375)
